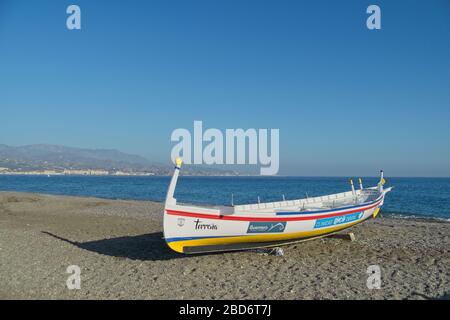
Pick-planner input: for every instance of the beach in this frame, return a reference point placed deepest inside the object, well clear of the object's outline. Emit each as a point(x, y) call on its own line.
point(119, 247)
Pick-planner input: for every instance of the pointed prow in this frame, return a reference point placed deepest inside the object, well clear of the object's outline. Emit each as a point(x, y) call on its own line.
point(170, 200)
point(382, 181)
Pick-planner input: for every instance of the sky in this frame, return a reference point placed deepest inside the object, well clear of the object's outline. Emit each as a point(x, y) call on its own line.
point(347, 100)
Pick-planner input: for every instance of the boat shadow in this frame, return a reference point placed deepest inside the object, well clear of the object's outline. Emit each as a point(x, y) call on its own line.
point(445, 296)
point(145, 247)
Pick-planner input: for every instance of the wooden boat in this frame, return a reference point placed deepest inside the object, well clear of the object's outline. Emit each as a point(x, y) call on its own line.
point(195, 229)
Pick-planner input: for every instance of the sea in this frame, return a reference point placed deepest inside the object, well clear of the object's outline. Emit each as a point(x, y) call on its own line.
point(410, 198)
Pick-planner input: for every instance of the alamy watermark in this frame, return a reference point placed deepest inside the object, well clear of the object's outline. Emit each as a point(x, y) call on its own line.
point(236, 146)
point(73, 21)
point(374, 20)
point(374, 279)
point(74, 280)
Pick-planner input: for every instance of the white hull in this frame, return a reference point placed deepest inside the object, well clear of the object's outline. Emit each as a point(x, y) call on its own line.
point(193, 229)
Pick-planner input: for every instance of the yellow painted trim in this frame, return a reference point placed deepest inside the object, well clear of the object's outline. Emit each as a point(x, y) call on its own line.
point(179, 245)
point(375, 212)
point(178, 162)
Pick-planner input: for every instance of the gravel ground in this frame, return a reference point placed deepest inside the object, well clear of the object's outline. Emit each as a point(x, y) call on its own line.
point(119, 248)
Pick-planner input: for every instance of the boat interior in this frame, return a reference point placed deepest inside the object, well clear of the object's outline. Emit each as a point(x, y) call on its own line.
point(328, 202)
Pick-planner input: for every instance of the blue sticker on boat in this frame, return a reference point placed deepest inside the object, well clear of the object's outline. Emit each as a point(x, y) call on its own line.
point(327, 222)
point(266, 227)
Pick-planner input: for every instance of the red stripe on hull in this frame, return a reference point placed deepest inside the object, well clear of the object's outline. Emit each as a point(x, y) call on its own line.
point(240, 218)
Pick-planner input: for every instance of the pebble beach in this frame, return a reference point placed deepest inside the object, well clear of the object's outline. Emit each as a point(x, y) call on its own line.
point(119, 248)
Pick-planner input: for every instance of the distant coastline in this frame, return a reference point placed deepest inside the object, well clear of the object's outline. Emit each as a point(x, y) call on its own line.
point(56, 160)
point(70, 172)
point(104, 173)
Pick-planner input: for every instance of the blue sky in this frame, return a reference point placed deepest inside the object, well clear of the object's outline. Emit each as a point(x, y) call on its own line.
point(347, 100)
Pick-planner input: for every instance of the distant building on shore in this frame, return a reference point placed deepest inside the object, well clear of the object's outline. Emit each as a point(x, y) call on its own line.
point(87, 172)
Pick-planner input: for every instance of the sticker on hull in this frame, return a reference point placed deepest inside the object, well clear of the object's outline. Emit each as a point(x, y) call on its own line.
point(266, 227)
point(328, 222)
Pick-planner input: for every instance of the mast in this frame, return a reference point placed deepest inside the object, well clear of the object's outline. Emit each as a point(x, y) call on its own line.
point(353, 187)
point(170, 200)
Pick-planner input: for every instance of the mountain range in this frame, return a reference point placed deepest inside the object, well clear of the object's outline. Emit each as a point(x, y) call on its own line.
point(57, 157)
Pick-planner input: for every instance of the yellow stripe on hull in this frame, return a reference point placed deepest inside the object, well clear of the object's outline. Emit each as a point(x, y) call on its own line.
point(178, 246)
point(375, 213)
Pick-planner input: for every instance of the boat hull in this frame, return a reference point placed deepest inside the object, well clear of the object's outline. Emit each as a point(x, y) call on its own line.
point(187, 231)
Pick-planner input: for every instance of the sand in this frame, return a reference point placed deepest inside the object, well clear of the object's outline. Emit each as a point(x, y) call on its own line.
point(119, 248)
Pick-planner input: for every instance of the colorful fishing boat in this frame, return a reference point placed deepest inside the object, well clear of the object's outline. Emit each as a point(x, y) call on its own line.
point(194, 229)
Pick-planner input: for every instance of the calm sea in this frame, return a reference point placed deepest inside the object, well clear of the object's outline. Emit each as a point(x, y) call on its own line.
point(417, 197)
